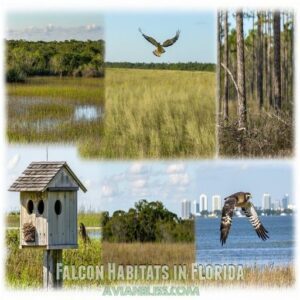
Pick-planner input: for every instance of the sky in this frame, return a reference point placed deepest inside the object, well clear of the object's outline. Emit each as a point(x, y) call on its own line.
point(197, 41)
point(114, 185)
point(59, 26)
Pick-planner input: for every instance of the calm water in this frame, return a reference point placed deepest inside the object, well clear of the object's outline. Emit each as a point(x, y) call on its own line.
point(243, 245)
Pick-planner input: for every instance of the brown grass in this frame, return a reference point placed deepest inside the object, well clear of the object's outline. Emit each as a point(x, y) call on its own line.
point(269, 134)
point(148, 253)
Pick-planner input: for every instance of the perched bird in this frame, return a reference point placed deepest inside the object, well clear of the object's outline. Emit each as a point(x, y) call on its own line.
point(84, 234)
point(241, 200)
point(160, 48)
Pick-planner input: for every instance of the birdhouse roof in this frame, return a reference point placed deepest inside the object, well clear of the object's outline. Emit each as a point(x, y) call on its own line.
point(38, 176)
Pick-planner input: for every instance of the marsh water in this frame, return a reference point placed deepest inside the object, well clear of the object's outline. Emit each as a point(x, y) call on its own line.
point(243, 245)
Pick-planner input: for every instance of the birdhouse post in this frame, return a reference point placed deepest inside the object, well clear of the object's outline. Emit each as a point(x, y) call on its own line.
point(48, 214)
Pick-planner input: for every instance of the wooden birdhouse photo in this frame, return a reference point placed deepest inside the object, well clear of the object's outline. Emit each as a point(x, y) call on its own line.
point(48, 213)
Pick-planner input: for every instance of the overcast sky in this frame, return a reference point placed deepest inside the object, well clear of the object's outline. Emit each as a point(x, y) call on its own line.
point(114, 185)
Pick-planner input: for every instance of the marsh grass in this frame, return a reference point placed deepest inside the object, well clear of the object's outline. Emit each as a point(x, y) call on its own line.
point(23, 267)
point(269, 134)
point(156, 114)
point(43, 109)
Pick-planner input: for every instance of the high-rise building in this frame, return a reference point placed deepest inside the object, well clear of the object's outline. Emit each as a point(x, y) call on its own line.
point(203, 202)
point(266, 201)
point(285, 201)
point(216, 203)
point(196, 208)
point(185, 209)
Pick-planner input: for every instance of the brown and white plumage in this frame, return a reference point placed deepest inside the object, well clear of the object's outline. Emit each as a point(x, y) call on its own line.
point(241, 200)
point(160, 47)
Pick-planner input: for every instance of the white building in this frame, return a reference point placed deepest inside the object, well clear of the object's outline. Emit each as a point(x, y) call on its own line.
point(216, 203)
point(203, 202)
point(185, 209)
point(196, 208)
point(266, 201)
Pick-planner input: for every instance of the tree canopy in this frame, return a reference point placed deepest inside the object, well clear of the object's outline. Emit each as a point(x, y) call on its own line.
point(146, 222)
point(66, 58)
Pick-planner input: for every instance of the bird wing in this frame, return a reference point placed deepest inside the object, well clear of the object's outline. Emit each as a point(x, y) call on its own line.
point(227, 213)
point(251, 214)
point(170, 42)
point(149, 39)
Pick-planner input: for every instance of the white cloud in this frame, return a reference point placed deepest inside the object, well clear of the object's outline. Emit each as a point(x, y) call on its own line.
point(12, 163)
point(181, 179)
point(138, 168)
point(139, 183)
point(176, 168)
point(51, 32)
point(109, 190)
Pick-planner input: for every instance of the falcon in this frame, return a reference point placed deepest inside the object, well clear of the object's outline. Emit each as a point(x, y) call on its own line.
point(160, 47)
point(241, 200)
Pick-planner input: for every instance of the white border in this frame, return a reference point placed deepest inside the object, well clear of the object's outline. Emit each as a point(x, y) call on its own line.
point(116, 5)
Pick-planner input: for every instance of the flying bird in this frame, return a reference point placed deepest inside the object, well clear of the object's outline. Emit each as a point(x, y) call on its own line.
point(160, 47)
point(241, 200)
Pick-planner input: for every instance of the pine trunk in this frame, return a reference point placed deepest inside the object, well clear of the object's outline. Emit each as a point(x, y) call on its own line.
point(242, 104)
point(226, 79)
point(277, 61)
point(259, 61)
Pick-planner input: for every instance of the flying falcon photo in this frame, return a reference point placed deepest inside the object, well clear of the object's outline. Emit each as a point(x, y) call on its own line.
point(160, 47)
point(241, 200)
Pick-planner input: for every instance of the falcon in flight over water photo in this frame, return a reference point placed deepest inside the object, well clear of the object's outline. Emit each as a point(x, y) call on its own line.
point(241, 200)
point(160, 47)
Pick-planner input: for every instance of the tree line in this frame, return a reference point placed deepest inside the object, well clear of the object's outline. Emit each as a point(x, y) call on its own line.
point(254, 68)
point(146, 222)
point(190, 66)
point(63, 58)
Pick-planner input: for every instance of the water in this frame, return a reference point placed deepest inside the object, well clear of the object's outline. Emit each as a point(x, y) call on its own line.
point(94, 234)
point(87, 112)
point(243, 245)
point(78, 113)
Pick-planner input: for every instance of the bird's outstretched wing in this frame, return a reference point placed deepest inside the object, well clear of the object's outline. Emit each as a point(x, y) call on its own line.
point(251, 214)
point(170, 42)
point(149, 39)
point(227, 213)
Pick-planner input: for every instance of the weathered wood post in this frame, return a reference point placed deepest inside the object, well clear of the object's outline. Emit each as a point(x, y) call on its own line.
point(48, 216)
point(50, 260)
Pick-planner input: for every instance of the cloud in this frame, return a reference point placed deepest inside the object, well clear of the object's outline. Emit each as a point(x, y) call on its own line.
point(176, 168)
point(138, 169)
point(109, 190)
point(12, 163)
point(51, 32)
point(139, 183)
point(181, 179)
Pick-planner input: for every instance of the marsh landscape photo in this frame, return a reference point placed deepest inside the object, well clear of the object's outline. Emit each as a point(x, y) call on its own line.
point(54, 74)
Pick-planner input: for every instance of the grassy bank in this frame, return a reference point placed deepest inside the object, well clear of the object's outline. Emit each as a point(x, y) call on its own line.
point(23, 268)
point(156, 114)
point(52, 109)
point(88, 219)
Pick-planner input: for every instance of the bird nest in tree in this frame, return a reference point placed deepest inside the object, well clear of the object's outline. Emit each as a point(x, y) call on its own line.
point(29, 232)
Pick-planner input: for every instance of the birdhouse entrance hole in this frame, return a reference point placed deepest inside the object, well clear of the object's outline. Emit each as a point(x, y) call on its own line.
point(41, 207)
point(57, 207)
point(30, 207)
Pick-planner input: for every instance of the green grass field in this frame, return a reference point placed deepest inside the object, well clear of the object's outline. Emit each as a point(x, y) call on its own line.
point(156, 114)
point(51, 109)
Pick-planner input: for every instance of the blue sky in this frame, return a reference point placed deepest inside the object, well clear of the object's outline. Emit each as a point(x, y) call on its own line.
point(124, 42)
point(114, 185)
point(197, 41)
point(49, 26)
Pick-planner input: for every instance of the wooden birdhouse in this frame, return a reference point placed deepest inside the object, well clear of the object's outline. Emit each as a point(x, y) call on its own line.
point(48, 195)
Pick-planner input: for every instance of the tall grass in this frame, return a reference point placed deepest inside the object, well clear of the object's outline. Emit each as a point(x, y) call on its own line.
point(155, 114)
